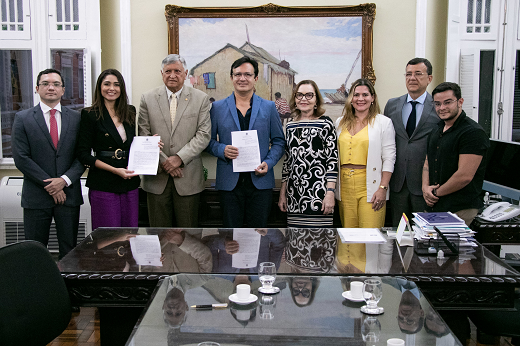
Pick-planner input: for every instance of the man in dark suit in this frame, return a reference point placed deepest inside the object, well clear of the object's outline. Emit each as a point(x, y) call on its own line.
point(245, 196)
point(44, 139)
point(414, 117)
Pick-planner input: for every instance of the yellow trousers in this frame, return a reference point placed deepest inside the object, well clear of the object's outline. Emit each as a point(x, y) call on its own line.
point(354, 210)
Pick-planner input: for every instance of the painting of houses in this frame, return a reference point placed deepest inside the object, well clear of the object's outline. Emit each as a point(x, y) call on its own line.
point(274, 75)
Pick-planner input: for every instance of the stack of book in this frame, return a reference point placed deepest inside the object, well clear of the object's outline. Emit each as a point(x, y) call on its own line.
point(446, 222)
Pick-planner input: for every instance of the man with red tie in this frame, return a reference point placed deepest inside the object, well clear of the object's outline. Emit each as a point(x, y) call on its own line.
point(44, 140)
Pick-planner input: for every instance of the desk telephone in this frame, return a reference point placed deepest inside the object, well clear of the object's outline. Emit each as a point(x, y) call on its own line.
point(500, 211)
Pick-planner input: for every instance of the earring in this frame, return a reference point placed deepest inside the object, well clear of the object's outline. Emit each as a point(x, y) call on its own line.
point(315, 107)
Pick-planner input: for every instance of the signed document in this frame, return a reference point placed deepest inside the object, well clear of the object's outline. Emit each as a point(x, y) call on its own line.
point(248, 150)
point(249, 247)
point(144, 155)
point(146, 250)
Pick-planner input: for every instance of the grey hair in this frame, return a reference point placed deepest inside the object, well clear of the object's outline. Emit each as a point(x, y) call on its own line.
point(172, 59)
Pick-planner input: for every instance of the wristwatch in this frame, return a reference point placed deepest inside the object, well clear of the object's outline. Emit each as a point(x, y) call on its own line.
point(383, 187)
point(331, 189)
point(434, 192)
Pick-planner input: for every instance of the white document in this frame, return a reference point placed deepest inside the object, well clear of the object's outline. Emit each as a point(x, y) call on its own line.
point(144, 155)
point(248, 248)
point(361, 235)
point(146, 250)
point(248, 150)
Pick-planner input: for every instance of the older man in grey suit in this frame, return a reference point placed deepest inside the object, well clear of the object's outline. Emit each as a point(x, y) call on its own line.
point(44, 140)
point(180, 115)
point(414, 117)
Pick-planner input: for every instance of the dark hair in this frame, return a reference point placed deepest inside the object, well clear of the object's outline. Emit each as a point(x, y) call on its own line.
point(244, 60)
point(318, 112)
point(417, 61)
point(49, 71)
point(123, 111)
point(448, 86)
point(277, 94)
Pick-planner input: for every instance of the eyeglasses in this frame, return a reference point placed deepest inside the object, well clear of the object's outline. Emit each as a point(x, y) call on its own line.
point(409, 75)
point(308, 96)
point(47, 84)
point(446, 103)
point(303, 291)
point(407, 321)
point(246, 75)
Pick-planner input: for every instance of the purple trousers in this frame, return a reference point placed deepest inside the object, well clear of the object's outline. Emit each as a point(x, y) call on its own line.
point(110, 209)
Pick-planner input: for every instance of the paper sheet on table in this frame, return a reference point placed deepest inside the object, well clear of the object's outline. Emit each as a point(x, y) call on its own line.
point(146, 250)
point(248, 248)
point(361, 235)
point(404, 240)
point(144, 155)
point(248, 150)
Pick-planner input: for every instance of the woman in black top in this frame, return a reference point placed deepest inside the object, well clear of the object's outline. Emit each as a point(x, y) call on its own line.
point(107, 128)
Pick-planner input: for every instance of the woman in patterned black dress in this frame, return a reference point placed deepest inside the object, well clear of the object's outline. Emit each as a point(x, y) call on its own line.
point(310, 168)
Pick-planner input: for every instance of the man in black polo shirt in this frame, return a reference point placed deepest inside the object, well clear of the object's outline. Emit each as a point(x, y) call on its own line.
point(453, 172)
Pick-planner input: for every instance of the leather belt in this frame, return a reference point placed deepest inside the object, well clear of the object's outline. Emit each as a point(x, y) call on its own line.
point(118, 154)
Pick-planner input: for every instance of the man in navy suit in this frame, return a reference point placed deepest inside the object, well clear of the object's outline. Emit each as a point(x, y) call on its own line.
point(414, 117)
point(44, 139)
point(246, 196)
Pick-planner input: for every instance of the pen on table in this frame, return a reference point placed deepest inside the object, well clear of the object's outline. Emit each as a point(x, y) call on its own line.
point(209, 306)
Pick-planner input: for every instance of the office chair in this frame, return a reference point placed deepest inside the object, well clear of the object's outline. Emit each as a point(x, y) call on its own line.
point(34, 301)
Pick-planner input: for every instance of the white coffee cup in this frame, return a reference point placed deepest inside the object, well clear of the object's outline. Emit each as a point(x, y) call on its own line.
point(243, 291)
point(395, 342)
point(356, 289)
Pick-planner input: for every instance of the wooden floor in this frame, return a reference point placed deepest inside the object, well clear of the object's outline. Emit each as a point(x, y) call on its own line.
point(83, 330)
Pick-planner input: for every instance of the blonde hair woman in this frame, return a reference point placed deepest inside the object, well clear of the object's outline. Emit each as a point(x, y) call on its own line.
point(366, 141)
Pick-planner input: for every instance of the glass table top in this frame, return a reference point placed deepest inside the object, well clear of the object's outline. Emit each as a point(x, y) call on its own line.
point(303, 251)
point(309, 310)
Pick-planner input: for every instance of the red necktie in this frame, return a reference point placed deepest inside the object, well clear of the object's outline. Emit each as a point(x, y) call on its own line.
point(54, 128)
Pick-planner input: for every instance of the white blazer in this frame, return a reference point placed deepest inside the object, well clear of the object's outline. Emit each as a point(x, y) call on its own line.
point(381, 154)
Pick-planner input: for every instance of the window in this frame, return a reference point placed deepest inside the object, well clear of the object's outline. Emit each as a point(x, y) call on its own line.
point(478, 17)
point(209, 80)
point(35, 35)
point(16, 91)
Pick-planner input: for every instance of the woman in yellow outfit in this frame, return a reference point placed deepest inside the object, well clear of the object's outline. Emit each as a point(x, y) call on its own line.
point(366, 142)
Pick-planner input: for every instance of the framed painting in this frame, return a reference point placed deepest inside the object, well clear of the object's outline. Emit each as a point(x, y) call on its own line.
point(330, 45)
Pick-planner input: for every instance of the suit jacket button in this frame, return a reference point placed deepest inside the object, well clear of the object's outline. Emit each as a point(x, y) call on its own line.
point(374, 168)
point(374, 181)
point(106, 134)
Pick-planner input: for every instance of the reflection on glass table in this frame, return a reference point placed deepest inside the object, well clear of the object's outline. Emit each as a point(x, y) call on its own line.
point(311, 251)
point(327, 319)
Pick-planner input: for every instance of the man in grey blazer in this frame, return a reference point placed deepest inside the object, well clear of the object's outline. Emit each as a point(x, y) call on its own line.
point(180, 115)
point(414, 117)
point(44, 140)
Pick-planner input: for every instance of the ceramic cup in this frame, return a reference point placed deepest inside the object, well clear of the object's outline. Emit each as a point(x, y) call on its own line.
point(395, 342)
point(356, 289)
point(243, 291)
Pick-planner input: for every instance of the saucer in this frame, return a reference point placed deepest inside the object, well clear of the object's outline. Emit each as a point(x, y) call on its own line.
point(347, 295)
point(234, 298)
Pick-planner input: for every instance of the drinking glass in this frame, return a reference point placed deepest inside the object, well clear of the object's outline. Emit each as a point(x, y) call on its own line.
point(267, 274)
point(371, 330)
point(372, 293)
point(267, 306)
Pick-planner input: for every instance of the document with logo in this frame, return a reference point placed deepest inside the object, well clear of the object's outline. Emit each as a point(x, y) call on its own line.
point(248, 150)
point(249, 247)
point(144, 155)
point(146, 250)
